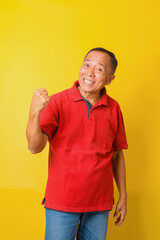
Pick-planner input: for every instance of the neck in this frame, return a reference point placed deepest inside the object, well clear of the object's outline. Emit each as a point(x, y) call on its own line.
point(92, 97)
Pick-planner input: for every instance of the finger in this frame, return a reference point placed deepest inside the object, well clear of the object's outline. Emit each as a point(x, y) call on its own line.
point(116, 212)
point(120, 219)
point(48, 99)
point(37, 92)
point(40, 91)
point(44, 94)
point(117, 223)
point(44, 99)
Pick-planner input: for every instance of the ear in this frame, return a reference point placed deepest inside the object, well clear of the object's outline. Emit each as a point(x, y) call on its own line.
point(110, 80)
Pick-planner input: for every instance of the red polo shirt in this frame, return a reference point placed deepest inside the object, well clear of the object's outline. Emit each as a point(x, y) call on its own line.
point(80, 175)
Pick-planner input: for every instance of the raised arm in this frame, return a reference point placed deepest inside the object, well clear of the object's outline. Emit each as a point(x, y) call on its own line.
point(36, 138)
point(119, 173)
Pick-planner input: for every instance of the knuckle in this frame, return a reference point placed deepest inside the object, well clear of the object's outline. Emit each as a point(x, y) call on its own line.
point(37, 92)
point(43, 100)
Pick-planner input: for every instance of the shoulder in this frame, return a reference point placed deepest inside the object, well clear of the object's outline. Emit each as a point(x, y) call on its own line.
point(114, 107)
point(112, 102)
point(57, 99)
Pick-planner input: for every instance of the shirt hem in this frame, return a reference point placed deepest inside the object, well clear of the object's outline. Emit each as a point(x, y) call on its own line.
point(79, 209)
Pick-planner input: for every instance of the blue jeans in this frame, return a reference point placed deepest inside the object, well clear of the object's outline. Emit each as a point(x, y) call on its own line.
point(84, 226)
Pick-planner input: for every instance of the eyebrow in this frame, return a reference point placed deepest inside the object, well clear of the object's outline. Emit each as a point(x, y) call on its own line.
point(97, 63)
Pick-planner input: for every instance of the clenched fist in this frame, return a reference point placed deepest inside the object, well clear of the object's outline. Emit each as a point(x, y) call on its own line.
point(39, 100)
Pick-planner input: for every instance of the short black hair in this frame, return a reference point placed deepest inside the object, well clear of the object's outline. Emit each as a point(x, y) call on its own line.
point(114, 61)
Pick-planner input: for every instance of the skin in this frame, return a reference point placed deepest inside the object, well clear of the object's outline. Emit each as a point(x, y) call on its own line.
point(94, 74)
point(96, 68)
point(36, 139)
point(119, 173)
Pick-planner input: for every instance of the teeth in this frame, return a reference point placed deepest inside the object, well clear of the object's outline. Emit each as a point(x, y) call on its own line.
point(87, 81)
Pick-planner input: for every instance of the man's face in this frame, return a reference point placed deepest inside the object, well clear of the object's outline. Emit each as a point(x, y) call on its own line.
point(95, 72)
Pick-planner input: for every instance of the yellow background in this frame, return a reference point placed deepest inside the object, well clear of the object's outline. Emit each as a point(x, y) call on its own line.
point(42, 44)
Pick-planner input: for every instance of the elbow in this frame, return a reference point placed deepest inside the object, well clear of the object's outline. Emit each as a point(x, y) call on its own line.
point(34, 151)
point(35, 147)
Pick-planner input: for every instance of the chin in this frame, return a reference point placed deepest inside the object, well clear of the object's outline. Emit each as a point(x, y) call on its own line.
point(86, 88)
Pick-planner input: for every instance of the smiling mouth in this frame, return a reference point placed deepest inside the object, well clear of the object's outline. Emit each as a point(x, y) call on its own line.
point(88, 81)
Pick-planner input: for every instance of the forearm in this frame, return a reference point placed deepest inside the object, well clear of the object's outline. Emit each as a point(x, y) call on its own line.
point(119, 173)
point(35, 137)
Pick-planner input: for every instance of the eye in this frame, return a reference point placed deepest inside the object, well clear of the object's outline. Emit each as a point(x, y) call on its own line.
point(99, 69)
point(86, 65)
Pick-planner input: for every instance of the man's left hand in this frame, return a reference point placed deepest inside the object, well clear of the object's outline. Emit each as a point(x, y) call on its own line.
point(121, 211)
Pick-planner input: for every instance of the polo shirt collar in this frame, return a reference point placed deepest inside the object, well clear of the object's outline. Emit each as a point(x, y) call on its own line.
point(104, 98)
point(74, 93)
point(76, 96)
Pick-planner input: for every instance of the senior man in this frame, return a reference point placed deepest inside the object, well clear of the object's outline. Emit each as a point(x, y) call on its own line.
point(86, 134)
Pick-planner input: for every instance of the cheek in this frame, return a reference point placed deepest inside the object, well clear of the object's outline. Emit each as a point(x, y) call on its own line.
point(99, 76)
point(102, 79)
point(82, 70)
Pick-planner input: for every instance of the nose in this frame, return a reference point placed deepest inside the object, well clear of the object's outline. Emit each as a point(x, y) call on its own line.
point(90, 72)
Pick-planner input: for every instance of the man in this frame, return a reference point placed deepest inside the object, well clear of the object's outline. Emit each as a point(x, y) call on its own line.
point(85, 130)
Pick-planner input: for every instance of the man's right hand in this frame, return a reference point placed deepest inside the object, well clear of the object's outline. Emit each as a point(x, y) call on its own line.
point(36, 139)
point(39, 101)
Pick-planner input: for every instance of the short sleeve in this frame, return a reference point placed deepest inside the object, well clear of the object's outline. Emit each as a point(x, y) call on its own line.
point(49, 118)
point(120, 141)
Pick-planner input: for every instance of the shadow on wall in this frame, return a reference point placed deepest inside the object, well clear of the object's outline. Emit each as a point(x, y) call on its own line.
point(22, 215)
